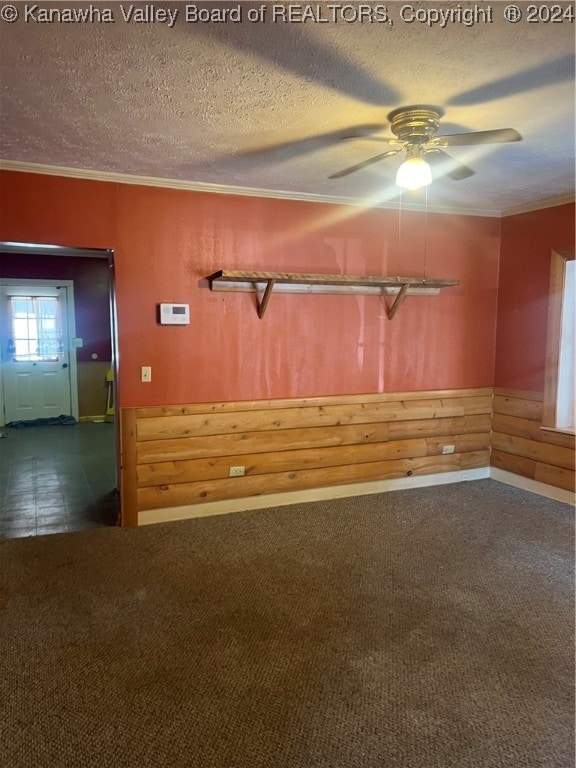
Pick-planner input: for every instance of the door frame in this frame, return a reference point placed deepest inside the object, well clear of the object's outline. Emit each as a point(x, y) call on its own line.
point(71, 329)
point(98, 253)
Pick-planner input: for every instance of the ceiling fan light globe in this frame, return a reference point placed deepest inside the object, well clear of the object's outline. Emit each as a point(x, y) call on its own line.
point(414, 173)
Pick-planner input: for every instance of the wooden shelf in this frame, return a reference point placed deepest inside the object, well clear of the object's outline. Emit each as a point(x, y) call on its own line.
point(286, 282)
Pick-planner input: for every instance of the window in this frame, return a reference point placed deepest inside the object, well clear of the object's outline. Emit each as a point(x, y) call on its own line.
point(36, 329)
point(559, 392)
point(565, 396)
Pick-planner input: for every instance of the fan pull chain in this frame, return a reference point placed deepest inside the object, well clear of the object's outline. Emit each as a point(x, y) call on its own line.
point(399, 235)
point(425, 231)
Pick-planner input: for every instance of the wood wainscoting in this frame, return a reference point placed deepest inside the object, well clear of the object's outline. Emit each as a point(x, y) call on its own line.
point(92, 389)
point(176, 456)
point(521, 446)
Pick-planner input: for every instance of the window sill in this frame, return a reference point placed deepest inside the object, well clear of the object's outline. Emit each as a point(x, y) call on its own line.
point(561, 430)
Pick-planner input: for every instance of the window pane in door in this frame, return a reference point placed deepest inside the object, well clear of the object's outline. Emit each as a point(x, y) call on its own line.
point(36, 329)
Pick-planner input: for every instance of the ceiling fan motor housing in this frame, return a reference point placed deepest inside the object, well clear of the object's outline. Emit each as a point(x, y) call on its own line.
point(417, 124)
point(415, 129)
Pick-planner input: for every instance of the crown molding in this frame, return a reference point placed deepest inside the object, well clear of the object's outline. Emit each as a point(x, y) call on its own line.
point(551, 202)
point(275, 194)
point(225, 189)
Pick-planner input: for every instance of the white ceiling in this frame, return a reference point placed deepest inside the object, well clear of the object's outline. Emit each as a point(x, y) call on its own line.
point(261, 105)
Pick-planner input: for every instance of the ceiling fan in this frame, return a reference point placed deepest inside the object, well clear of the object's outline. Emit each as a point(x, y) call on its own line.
point(415, 129)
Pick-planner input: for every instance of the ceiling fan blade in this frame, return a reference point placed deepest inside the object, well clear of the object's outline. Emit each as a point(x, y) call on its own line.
point(363, 164)
point(498, 136)
point(446, 165)
point(298, 147)
point(380, 139)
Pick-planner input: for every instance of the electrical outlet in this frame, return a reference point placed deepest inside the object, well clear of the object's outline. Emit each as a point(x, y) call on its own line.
point(146, 374)
point(236, 472)
point(447, 449)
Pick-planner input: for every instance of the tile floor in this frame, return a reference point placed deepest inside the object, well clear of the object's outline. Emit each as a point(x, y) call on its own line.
point(58, 478)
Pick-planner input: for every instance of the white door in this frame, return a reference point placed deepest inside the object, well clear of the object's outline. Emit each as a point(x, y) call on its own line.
point(35, 352)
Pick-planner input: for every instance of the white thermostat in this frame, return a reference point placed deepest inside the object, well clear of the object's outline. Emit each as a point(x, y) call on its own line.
point(174, 314)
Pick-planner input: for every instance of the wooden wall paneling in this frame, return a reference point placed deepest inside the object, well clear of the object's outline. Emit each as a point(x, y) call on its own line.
point(179, 494)
point(521, 446)
point(555, 437)
point(155, 428)
point(319, 437)
point(266, 463)
point(512, 406)
point(533, 449)
point(514, 425)
point(518, 394)
point(181, 455)
point(264, 405)
point(457, 425)
point(474, 459)
point(467, 443)
point(92, 388)
point(518, 465)
point(259, 442)
point(557, 476)
point(128, 468)
point(278, 461)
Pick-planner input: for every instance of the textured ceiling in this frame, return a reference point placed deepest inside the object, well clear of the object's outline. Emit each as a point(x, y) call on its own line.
point(262, 104)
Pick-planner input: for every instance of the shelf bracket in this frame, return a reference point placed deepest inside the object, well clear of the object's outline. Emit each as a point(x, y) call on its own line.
point(399, 300)
point(266, 298)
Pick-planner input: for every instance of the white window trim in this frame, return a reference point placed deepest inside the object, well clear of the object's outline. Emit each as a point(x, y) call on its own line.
point(554, 336)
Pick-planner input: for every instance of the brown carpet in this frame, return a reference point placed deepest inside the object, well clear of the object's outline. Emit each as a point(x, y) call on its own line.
point(430, 628)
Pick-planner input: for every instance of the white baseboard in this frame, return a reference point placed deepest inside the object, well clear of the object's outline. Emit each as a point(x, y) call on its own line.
point(527, 484)
point(150, 516)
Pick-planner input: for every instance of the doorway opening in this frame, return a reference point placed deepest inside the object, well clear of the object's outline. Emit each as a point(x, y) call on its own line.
point(58, 352)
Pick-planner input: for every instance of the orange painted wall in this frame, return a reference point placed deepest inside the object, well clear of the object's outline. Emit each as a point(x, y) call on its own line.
point(166, 242)
point(527, 242)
